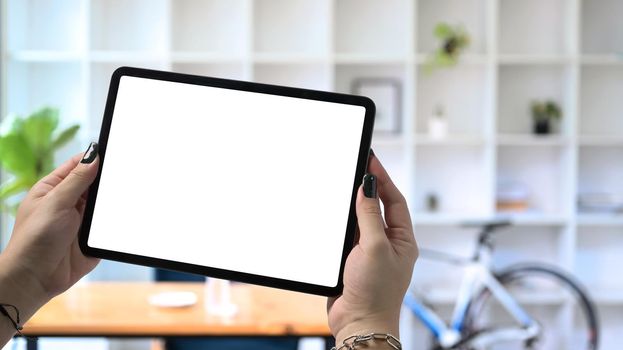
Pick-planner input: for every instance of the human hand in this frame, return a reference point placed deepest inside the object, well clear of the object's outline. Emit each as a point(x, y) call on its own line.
point(379, 267)
point(43, 258)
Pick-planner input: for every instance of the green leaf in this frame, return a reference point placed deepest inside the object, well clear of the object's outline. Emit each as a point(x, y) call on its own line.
point(552, 109)
point(46, 164)
point(16, 155)
point(443, 31)
point(38, 128)
point(11, 123)
point(27, 147)
point(18, 125)
point(65, 136)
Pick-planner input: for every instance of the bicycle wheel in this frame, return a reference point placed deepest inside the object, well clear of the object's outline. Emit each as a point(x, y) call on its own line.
point(542, 291)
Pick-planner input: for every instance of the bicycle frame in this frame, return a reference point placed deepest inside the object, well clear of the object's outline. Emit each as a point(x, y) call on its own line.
point(477, 277)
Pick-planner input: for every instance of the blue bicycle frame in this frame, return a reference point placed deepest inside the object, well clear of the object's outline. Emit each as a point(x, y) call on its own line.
point(476, 279)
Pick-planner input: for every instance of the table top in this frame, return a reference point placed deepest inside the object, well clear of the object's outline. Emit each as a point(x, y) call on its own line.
point(123, 309)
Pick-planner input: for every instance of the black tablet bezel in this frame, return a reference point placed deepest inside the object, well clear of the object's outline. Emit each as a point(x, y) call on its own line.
point(243, 86)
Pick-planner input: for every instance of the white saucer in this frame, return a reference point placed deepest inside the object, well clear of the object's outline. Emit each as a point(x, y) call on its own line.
point(173, 299)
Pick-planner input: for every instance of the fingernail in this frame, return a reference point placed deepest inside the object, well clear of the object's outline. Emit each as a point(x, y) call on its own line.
point(90, 154)
point(371, 152)
point(369, 186)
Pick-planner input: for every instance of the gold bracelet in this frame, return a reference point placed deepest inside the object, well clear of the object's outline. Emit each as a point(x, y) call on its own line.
point(353, 341)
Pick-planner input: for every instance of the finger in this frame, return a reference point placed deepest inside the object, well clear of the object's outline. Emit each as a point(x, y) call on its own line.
point(369, 218)
point(69, 191)
point(394, 203)
point(48, 182)
point(58, 174)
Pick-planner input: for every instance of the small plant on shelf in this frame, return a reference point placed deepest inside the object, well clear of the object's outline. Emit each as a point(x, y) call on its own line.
point(27, 147)
point(544, 113)
point(453, 41)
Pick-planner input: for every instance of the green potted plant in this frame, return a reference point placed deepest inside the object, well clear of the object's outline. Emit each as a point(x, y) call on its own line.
point(453, 41)
point(27, 147)
point(544, 113)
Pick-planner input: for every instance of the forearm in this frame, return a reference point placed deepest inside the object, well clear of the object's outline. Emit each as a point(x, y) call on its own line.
point(366, 327)
point(17, 290)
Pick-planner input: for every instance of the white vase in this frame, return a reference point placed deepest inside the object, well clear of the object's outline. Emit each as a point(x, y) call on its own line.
point(437, 127)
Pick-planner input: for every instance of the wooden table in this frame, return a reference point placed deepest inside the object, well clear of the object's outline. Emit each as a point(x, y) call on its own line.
point(111, 309)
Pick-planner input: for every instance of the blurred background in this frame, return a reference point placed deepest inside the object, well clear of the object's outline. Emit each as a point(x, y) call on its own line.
point(486, 107)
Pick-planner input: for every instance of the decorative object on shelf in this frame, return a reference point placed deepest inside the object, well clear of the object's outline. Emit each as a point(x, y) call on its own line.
point(600, 202)
point(513, 197)
point(27, 147)
point(454, 40)
point(544, 113)
point(432, 202)
point(438, 124)
point(387, 96)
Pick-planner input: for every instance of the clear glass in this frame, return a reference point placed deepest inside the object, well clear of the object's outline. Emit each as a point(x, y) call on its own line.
point(218, 298)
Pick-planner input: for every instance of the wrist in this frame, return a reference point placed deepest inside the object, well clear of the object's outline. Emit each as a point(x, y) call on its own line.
point(362, 327)
point(19, 288)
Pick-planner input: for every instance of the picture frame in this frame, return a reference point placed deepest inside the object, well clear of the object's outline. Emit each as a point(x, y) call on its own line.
point(386, 93)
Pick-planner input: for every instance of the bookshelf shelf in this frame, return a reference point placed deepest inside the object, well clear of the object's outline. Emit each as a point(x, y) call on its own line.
point(304, 75)
point(600, 140)
point(533, 59)
point(450, 140)
point(600, 220)
point(520, 140)
point(45, 55)
point(604, 59)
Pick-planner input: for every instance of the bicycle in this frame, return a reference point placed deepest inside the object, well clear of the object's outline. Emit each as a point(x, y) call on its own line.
point(476, 323)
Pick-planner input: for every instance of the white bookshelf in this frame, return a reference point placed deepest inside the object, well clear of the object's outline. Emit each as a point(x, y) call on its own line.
point(570, 51)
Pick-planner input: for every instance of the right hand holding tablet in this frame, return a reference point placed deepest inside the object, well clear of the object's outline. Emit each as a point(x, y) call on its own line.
point(378, 270)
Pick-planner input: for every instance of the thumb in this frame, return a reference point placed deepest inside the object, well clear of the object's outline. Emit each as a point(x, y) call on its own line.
point(371, 225)
point(69, 191)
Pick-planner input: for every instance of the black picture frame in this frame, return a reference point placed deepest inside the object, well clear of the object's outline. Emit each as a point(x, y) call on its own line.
point(243, 86)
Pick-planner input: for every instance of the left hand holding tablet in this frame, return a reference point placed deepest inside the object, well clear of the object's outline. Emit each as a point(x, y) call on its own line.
point(42, 258)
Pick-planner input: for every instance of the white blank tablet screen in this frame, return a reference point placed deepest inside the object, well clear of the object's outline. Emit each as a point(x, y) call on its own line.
point(229, 179)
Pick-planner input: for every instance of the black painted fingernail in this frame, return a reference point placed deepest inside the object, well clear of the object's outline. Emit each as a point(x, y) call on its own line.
point(90, 154)
point(369, 186)
point(371, 152)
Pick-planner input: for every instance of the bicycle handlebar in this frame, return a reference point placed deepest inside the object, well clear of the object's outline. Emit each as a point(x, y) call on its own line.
point(488, 227)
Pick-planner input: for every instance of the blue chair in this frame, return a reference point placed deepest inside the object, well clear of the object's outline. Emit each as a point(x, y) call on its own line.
point(228, 343)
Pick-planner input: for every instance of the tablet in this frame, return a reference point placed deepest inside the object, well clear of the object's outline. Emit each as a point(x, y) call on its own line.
point(230, 179)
